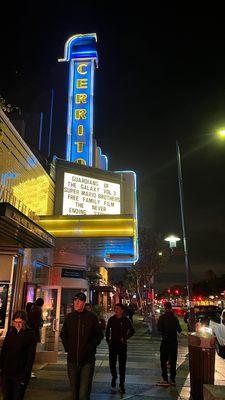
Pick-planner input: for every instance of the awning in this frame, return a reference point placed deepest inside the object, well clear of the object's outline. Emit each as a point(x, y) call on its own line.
point(17, 229)
point(95, 235)
point(102, 288)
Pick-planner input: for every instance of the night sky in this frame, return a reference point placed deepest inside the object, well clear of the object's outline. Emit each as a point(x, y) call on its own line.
point(161, 77)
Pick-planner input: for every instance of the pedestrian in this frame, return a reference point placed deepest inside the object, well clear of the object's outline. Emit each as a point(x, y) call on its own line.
point(80, 335)
point(34, 317)
point(119, 329)
point(17, 358)
point(35, 320)
point(101, 319)
point(88, 307)
point(168, 325)
point(130, 311)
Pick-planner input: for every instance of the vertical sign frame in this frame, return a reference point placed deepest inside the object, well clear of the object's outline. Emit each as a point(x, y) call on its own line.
point(80, 52)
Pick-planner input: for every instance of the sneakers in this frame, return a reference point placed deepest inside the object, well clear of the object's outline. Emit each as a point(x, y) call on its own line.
point(163, 383)
point(122, 389)
point(113, 383)
point(166, 383)
point(33, 376)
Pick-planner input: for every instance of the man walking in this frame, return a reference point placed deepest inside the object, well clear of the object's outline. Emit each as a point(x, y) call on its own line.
point(119, 329)
point(81, 334)
point(168, 325)
point(17, 358)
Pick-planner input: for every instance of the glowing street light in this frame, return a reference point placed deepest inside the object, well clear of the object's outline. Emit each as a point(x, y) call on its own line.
point(221, 133)
point(172, 239)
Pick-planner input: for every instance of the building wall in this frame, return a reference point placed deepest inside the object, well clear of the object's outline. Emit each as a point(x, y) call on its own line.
point(23, 181)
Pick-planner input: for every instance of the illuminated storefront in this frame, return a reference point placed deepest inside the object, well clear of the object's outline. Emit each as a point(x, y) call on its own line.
point(26, 191)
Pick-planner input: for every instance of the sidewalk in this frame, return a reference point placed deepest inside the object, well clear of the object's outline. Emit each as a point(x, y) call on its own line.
point(143, 370)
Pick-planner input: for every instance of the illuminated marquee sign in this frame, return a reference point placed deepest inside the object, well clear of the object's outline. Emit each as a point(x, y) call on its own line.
point(80, 52)
point(81, 118)
point(88, 196)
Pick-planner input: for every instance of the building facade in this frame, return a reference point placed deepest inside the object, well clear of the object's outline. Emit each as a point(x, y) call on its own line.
point(62, 229)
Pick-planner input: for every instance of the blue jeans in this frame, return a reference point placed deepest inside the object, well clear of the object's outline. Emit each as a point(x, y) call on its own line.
point(80, 380)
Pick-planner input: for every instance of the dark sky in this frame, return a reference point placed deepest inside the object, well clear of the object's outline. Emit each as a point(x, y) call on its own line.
point(161, 77)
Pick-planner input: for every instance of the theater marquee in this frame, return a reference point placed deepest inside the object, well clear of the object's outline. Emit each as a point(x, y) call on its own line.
point(84, 195)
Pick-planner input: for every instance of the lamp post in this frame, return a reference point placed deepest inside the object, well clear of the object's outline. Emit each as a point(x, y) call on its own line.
point(186, 255)
point(181, 196)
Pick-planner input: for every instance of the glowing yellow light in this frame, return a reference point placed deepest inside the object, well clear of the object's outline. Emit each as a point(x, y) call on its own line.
point(111, 230)
point(57, 220)
point(87, 227)
point(221, 133)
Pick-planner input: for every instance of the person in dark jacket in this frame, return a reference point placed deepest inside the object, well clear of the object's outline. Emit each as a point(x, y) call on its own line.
point(80, 335)
point(119, 329)
point(130, 311)
point(34, 316)
point(168, 325)
point(17, 358)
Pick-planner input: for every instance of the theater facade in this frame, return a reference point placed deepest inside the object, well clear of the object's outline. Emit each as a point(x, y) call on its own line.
point(63, 228)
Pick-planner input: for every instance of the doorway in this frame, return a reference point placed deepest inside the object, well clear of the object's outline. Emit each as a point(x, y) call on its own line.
point(47, 349)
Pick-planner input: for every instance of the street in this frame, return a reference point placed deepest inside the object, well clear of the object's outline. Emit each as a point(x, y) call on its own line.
point(143, 371)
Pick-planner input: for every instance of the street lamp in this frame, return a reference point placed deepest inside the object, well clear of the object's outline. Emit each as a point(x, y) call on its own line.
point(172, 239)
point(181, 196)
point(221, 133)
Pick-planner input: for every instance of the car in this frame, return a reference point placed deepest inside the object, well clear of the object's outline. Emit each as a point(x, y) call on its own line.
point(218, 329)
point(203, 315)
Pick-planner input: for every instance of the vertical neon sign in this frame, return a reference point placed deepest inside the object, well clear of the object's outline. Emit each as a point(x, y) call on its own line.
point(80, 52)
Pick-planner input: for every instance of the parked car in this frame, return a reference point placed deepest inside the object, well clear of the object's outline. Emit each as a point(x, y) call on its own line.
point(218, 329)
point(203, 315)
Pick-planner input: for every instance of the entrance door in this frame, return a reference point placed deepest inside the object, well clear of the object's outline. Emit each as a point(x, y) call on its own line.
point(48, 348)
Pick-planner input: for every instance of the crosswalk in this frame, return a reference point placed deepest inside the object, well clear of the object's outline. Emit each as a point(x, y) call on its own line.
point(143, 367)
point(142, 372)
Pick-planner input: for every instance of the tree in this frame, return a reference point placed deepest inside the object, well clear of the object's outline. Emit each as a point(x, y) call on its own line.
point(153, 257)
point(4, 105)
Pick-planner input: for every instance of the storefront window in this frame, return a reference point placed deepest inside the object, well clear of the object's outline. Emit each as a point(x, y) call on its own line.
point(41, 274)
point(4, 287)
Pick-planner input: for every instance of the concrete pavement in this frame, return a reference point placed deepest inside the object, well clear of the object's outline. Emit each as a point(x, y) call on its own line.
point(143, 370)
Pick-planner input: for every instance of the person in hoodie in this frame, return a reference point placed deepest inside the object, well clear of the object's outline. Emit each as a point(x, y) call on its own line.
point(168, 325)
point(81, 334)
point(119, 329)
point(17, 358)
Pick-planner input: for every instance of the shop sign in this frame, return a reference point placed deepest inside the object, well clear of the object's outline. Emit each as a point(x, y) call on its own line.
point(29, 225)
point(72, 273)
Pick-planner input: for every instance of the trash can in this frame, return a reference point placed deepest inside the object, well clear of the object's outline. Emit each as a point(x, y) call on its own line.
point(201, 362)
